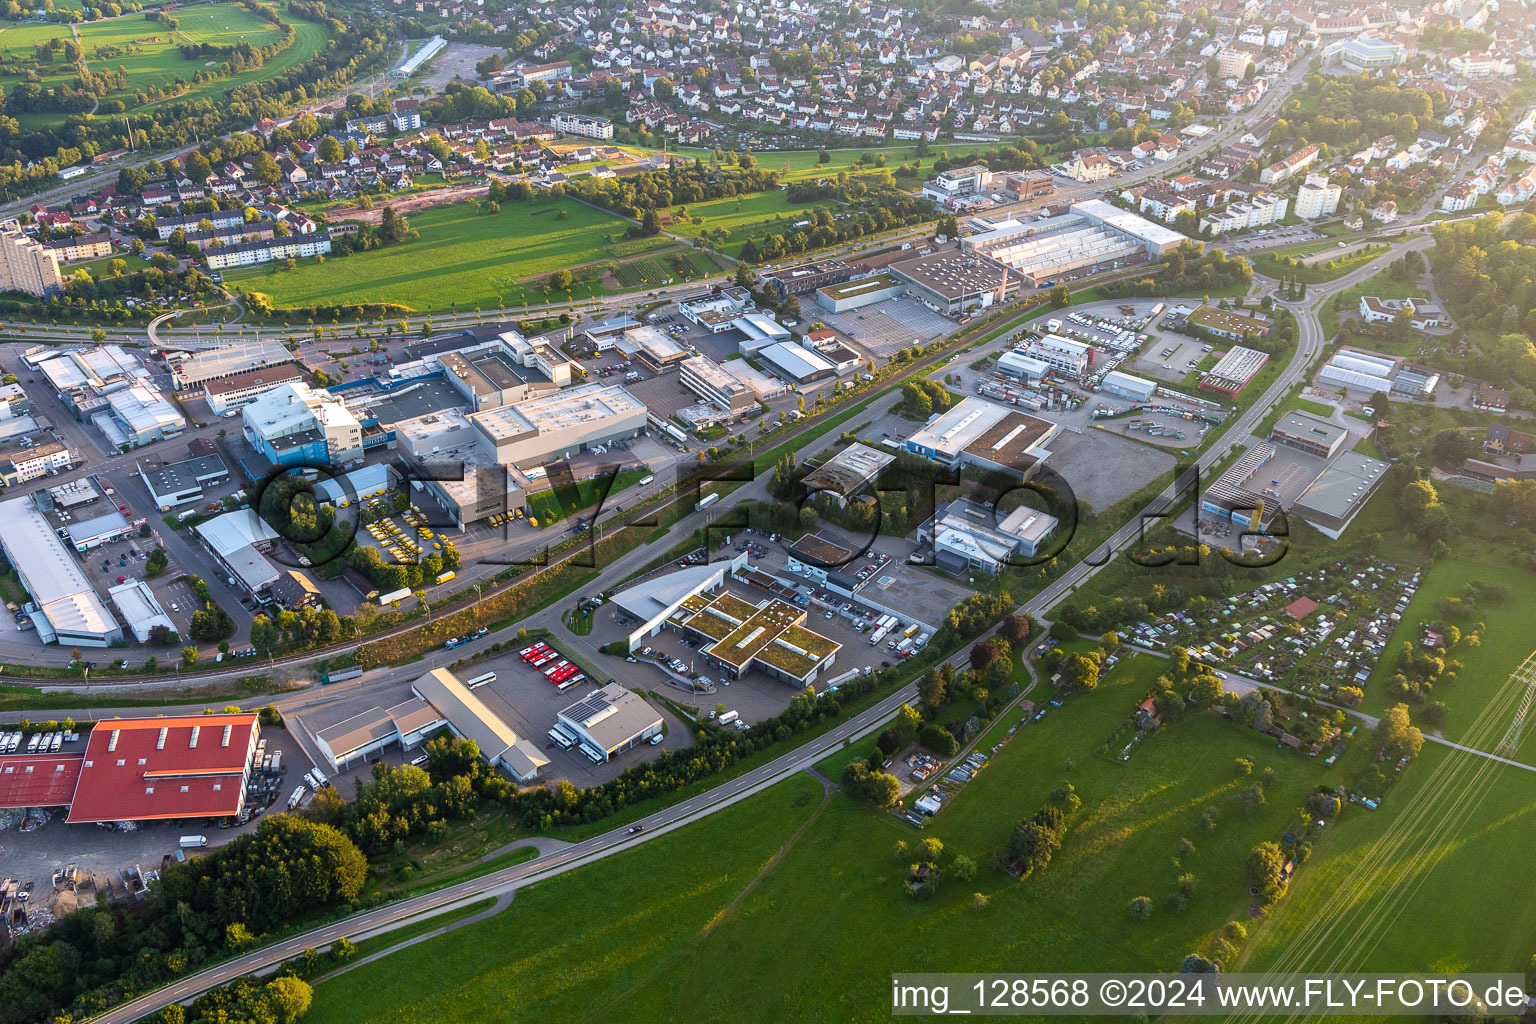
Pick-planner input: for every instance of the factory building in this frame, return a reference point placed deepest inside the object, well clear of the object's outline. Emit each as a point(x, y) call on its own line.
point(468, 718)
point(1339, 492)
point(1022, 365)
point(1125, 385)
point(1234, 370)
point(450, 463)
point(505, 369)
point(156, 769)
point(955, 283)
point(1309, 434)
point(64, 606)
point(866, 291)
point(1092, 234)
point(139, 608)
point(226, 395)
point(197, 368)
point(1230, 497)
point(707, 379)
point(1062, 354)
point(294, 425)
point(181, 483)
point(977, 432)
point(239, 541)
point(967, 536)
point(772, 637)
point(369, 733)
point(559, 425)
point(804, 278)
point(797, 363)
point(848, 473)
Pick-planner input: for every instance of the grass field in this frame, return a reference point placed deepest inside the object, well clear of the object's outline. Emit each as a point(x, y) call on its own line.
point(1270, 265)
point(150, 55)
point(460, 258)
point(568, 499)
point(676, 932)
point(754, 216)
point(804, 164)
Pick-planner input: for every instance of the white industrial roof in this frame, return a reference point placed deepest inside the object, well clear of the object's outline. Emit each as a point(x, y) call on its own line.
point(953, 430)
point(1133, 224)
point(53, 577)
point(759, 326)
point(471, 719)
point(799, 363)
point(140, 609)
point(232, 531)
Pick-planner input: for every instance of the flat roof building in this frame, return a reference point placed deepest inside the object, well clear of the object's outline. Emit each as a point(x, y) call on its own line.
point(227, 361)
point(147, 769)
point(1234, 370)
point(848, 472)
point(368, 733)
point(238, 540)
point(610, 720)
point(711, 382)
point(1224, 323)
point(953, 283)
point(295, 425)
point(968, 536)
point(180, 483)
point(1125, 385)
point(866, 291)
point(139, 609)
point(772, 637)
point(1339, 492)
point(450, 462)
point(559, 425)
point(653, 602)
point(1309, 434)
point(1092, 234)
point(804, 278)
point(655, 350)
point(797, 363)
point(468, 718)
point(227, 394)
point(983, 433)
point(64, 607)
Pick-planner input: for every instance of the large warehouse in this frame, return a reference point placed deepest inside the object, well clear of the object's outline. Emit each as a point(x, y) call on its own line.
point(180, 483)
point(468, 718)
point(198, 368)
point(866, 291)
point(67, 610)
point(655, 601)
point(967, 536)
point(1340, 491)
point(798, 363)
point(849, 472)
point(609, 721)
point(451, 463)
point(1091, 234)
point(1234, 370)
point(1309, 434)
point(954, 283)
point(977, 432)
point(559, 425)
point(144, 769)
point(369, 733)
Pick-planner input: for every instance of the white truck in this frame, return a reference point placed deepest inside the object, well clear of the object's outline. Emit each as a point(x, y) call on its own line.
point(193, 842)
point(878, 635)
point(727, 717)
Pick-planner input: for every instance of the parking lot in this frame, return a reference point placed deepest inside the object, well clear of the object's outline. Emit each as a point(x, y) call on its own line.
point(1170, 357)
point(1268, 238)
point(883, 328)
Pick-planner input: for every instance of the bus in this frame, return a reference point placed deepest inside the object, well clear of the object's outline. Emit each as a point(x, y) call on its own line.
point(489, 677)
point(707, 500)
point(446, 576)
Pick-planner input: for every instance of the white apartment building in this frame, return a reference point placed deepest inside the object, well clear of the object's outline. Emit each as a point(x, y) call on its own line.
point(1317, 198)
point(28, 266)
point(584, 125)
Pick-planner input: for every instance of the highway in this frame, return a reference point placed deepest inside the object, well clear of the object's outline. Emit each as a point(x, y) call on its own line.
point(1312, 337)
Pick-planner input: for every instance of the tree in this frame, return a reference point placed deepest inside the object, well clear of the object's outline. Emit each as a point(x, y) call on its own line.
point(1141, 908)
point(1060, 296)
point(1033, 844)
point(197, 167)
point(1451, 447)
point(392, 226)
point(560, 281)
point(1395, 737)
point(1079, 672)
point(1265, 867)
point(329, 150)
point(963, 868)
point(908, 722)
point(650, 223)
point(189, 655)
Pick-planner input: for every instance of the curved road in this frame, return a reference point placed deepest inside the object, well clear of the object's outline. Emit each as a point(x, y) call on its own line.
point(1310, 343)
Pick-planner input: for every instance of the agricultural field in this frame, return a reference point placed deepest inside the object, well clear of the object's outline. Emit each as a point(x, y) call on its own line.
point(665, 268)
point(752, 216)
point(461, 258)
point(148, 52)
point(803, 164)
point(670, 935)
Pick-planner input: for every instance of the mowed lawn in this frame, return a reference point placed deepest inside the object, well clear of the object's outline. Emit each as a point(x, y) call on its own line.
point(752, 216)
point(671, 932)
point(1506, 641)
point(806, 163)
point(150, 52)
point(461, 258)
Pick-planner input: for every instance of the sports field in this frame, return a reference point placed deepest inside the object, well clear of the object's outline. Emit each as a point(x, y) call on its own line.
point(462, 258)
point(149, 52)
point(752, 216)
point(679, 929)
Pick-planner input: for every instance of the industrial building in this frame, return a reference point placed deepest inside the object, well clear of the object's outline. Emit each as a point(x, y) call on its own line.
point(295, 425)
point(181, 483)
point(1092, 234)
point(772, 637)
point(1234, 370)
point(468, 718)
point(654, 602)
point(560, 424)
point(369, 733)
point(1230, 497)
point(1224, 323)
point(28, 266)
point(977, 432)
point(797, 363)
point(609, 721)
point(150, 769)
point(955, 283)
point(865, 291)
point(849, 472)
point(190, 370)
point(823, 561)
point(109, 387)
point(451, 462)
point(504, 369)
point(707, 379)
point(1062, 354)
point(416, 61)
point(1022, 365)
point(1125, 385)
point(804, 278)
point(64, 607)
point(1309, 434)
point(759, 330)
point(1358, 370)
point(137, 604)
point(356, 487)
point(967, 536)
point(238, 540)
point(226, 395)
point(1339, 492)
